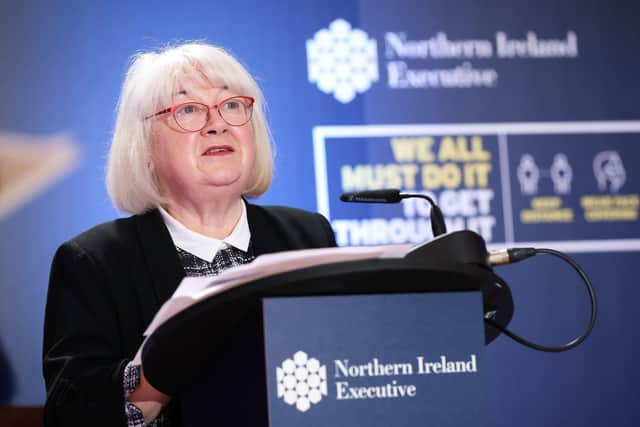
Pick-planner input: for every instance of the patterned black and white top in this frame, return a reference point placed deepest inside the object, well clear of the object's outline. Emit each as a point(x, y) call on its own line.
point(224, 259)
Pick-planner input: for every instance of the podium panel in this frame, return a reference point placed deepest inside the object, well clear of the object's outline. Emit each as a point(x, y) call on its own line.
point(211, 357)
point(376, 360)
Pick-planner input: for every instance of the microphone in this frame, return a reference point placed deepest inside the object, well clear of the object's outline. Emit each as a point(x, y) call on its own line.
point(374, 196)
point(393, 195)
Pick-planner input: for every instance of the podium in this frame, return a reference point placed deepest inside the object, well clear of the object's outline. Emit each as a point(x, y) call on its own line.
point(333, 344)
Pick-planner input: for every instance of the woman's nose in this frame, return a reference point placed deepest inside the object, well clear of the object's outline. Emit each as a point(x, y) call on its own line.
point(215, 125)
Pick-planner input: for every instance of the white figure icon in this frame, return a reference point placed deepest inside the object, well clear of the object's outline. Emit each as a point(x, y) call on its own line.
point(608, 169)
point(561, 174)
point(528, 175)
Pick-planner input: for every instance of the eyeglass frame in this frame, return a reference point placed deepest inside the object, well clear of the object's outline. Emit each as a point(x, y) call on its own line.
point(172, 109)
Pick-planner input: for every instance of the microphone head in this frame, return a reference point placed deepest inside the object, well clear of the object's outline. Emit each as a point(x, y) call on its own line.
point(373, 196)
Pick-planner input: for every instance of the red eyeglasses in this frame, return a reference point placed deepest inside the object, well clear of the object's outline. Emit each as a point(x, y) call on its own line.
point(194, 116)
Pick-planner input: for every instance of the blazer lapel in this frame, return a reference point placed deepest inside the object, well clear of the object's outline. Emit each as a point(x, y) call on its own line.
point(265, 235)
point(160, 254)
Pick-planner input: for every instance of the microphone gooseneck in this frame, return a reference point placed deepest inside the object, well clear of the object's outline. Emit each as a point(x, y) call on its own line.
point(393, 195)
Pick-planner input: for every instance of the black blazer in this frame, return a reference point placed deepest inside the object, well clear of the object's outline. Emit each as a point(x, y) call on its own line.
point(105, 287)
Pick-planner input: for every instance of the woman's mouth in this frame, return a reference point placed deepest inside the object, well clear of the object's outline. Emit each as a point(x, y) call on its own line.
point(217, 150)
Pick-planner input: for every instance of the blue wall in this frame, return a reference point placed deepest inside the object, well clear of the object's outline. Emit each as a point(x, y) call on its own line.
point(63, 64)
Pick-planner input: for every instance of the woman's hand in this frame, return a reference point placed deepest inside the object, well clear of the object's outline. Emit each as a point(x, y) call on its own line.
point(148, 399)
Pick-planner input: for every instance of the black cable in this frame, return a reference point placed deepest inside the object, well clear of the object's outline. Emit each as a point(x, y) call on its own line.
point(518, 254)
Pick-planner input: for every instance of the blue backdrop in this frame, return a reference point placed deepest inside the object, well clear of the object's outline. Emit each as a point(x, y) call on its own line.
point(545, 86)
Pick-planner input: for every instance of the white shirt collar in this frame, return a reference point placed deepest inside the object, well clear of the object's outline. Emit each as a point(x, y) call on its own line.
point(205, 247)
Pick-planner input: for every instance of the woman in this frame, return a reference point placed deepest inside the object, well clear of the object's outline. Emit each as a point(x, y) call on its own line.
point(190, 143)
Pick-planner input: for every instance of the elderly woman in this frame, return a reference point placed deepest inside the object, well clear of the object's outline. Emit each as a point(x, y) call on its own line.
point(190, 144)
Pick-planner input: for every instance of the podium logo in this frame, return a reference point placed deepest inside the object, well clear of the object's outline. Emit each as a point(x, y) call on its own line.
point(302, 381)
point(342, 61)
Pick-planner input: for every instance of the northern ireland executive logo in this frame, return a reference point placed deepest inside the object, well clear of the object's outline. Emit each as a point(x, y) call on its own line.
point(302, 381)
point(342, 61)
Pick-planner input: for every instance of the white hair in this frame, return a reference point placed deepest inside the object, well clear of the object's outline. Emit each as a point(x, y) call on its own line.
point(151, 81)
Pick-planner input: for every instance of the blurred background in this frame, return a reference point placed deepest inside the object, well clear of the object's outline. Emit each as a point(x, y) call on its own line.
point(520, 117)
